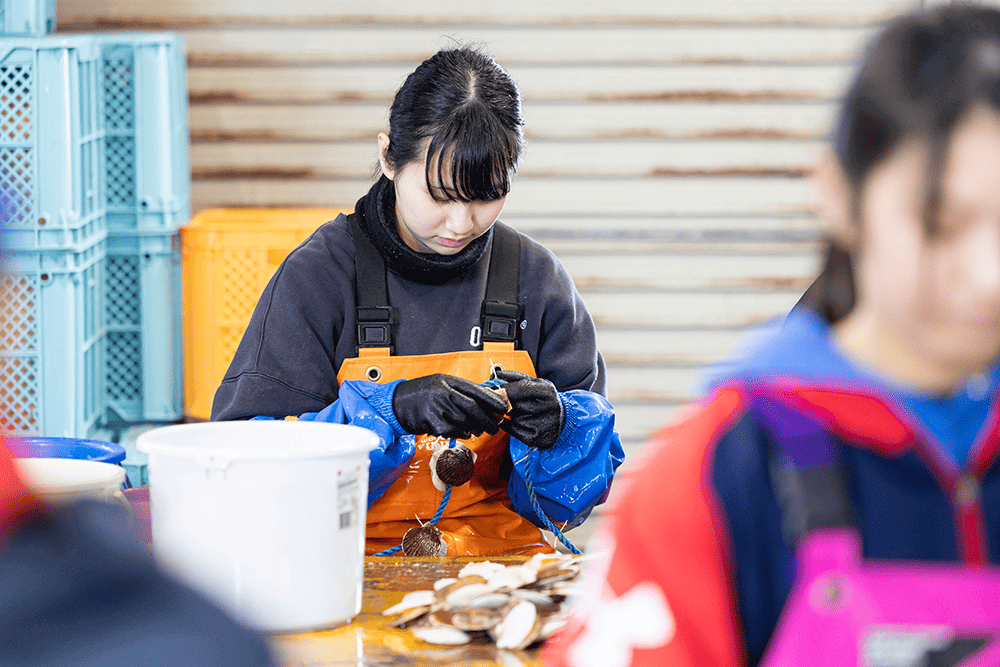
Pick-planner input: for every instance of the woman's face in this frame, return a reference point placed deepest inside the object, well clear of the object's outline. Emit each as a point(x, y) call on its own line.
point(427, 225)
point(932, 302)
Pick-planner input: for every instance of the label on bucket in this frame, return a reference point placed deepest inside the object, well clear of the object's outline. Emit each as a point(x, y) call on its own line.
point(348, 501)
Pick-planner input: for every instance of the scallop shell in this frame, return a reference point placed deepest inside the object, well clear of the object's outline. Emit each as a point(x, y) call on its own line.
point(411, 600)
point(512, 577)
point(465, 595)
point(519, 627)
point(446, 581)
point(485, 568)
point(442, 635)
point(425, 540)
point(476, 619)
point(550, 574)
point(491, 601)
point(535, 597)
point(410, 615)
point(445, 591)
point(452, 466)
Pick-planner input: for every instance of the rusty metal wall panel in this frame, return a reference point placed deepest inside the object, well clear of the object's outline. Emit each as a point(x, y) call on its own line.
point(515, 45)
point(81, 13)
point(311, 84)
point(561, 195)
point(699, 119)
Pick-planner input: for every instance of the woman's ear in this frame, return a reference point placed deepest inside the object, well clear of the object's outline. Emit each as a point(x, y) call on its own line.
point(834, 202)
point(383, 147)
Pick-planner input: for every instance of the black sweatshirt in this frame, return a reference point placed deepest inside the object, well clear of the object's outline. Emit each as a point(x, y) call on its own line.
point(304, 326)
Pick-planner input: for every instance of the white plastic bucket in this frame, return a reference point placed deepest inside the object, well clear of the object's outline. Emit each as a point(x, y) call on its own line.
point(266, 517)
point(64, 480)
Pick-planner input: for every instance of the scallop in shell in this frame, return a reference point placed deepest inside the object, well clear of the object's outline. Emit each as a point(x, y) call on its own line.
point(452, 466)
point(519, 627)
point(425, 540)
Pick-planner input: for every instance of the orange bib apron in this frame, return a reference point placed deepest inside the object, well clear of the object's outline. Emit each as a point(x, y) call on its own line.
point(479, 519)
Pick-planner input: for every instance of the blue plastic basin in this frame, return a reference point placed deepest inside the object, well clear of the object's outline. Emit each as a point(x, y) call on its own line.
point(39, 447)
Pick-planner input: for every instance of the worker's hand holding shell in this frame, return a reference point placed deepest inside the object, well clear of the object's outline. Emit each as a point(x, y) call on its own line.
point(447, 406)
point(536, 416)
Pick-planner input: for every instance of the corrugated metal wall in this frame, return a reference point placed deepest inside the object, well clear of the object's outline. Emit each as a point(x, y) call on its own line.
point(669, 141)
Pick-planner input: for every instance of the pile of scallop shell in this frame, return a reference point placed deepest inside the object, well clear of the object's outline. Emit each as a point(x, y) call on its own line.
point(513, 606)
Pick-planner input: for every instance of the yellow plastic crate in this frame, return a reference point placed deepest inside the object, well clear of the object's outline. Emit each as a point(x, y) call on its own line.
point(228, 255)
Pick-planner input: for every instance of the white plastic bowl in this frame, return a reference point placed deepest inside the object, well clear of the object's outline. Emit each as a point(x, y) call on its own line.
point(266, 517)
point(63, 480)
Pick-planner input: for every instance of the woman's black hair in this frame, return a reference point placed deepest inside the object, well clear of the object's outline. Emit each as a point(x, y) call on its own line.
point(918, 78)
point(469, 108)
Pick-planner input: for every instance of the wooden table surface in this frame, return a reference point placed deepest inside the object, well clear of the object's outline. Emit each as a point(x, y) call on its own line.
point(369, 641)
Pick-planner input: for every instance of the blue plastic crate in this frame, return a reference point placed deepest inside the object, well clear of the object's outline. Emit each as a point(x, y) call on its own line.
point(146, 121)
point(27, 17)
point(143, 319)
point(52, 341)
point(51, 142)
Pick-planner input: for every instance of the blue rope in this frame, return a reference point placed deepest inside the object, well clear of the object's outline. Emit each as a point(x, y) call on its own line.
point(388, 552)
point(444, 503)
point(535, 505)
point(437, 515)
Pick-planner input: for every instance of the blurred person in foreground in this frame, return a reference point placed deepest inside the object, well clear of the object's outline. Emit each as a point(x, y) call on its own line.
point(77, 589)
point(876, 399)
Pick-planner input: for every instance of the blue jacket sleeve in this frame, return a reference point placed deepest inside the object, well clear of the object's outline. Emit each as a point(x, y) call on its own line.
point(369, 405)
point(575, 474)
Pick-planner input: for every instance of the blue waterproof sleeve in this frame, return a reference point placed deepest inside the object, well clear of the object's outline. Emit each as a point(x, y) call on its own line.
point(575, 474)
point(369, 405)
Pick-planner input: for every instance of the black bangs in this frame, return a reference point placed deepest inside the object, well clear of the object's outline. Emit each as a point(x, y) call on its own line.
point(460, 112)
point(472, 157)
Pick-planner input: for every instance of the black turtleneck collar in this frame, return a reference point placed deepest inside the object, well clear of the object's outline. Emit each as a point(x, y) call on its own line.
point(377, 216)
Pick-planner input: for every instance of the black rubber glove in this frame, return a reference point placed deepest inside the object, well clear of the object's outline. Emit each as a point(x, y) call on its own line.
point(536, 416)
point(448, 406)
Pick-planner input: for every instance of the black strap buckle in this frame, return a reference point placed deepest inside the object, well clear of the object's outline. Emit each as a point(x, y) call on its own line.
point(375, 326)
point(501, 321)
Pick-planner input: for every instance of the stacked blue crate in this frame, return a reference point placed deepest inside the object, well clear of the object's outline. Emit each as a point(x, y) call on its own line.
point(148, 200)
point(52, 203)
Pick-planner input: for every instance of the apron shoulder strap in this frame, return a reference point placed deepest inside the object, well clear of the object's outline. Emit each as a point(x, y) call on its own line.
point(374, 316)
point(502, 309)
